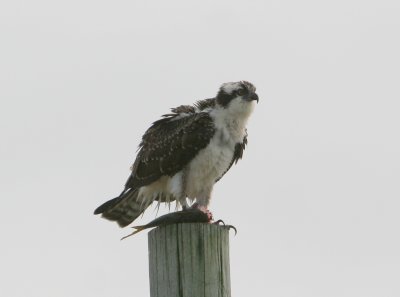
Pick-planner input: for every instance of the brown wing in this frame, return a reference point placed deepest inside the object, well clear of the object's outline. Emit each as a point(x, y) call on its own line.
point(169, 145)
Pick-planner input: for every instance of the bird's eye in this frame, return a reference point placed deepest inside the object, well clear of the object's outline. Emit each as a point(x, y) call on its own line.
point(240, 92)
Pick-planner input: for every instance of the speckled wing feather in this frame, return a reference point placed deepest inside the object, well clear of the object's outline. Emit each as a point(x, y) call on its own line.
point(169, 145)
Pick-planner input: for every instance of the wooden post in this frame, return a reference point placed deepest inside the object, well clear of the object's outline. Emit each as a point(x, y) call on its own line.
point(189, 260)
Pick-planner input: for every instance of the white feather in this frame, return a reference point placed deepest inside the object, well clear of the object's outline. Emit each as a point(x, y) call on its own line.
point(214, 160)
point(230, 87)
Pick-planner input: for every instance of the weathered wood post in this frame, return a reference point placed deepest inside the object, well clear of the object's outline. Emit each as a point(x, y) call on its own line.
point(189, 260)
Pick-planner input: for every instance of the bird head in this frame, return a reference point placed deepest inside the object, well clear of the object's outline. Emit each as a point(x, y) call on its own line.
point(238, 98)
point(236, 91)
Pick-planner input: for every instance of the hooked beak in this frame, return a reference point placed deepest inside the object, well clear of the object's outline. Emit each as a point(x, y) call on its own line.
point(254, 96)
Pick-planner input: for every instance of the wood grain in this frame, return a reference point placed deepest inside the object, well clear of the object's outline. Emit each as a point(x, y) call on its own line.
point(189, 260)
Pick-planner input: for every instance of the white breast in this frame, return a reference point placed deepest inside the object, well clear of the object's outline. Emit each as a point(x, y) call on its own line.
point(207, 167)
point(213, 161)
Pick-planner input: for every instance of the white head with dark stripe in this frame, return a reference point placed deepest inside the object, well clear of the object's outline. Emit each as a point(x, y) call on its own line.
point(237, 97)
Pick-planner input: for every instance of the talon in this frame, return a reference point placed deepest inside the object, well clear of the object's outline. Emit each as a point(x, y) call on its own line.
point(231, 227)
point(219, 223)
point(222, 223)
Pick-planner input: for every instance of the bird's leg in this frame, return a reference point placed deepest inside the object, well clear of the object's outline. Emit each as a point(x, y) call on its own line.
point(203, 209)
point(183, 203)
point(202, 203)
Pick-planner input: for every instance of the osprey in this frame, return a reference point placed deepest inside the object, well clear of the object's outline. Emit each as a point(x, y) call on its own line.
point(182, 155)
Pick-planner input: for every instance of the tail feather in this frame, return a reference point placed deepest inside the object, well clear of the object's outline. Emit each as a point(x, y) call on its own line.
point(110, 203)
point(123, 209)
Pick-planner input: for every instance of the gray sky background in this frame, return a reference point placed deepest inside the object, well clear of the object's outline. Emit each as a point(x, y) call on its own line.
point(316, 197)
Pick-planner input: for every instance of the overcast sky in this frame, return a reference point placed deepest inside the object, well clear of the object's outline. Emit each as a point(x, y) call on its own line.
point(316, 197)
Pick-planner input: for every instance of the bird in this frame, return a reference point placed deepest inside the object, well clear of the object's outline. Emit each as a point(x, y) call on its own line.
point(183, 154)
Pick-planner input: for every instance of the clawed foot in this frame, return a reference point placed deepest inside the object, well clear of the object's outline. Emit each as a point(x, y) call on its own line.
point(205, 210)
point(210, 217)
point(222, 223)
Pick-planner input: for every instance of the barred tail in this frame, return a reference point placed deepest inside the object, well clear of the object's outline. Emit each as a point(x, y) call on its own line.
point(123, 209)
